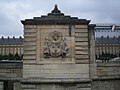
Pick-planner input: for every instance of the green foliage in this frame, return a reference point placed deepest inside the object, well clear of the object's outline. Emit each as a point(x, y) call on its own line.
point(11, 57)
point(17, 57)
point(21, 57)
point(106, 56)
point(4, 57)
point(96, 57)
point(0, 57)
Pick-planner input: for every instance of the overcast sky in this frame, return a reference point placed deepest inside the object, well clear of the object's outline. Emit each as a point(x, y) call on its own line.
point(12, 11)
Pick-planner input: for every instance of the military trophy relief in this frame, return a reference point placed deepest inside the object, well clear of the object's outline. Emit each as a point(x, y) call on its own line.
point(55, 46)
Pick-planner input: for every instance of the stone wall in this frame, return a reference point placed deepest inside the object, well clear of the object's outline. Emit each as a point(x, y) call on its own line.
point(58, 86)
point(57, 71)
point(10, 70)
point(75, 65)
point(108, 70)
point(81, 44)
point(10, 75)
point(58, 65)
point(108, 77)
point(106, 85)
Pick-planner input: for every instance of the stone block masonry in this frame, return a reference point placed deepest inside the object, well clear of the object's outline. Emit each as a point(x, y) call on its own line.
point(56, 50)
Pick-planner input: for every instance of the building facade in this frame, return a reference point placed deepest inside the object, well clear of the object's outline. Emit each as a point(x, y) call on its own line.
point(107, 41)
point(110, 45)
point(11, 47)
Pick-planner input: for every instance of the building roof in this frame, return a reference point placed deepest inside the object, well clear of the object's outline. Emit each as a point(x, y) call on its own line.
point(107, 24)
point(11, 41)
point(105, 29)
point(98, 40)
point(107, 40)
point(55, 17)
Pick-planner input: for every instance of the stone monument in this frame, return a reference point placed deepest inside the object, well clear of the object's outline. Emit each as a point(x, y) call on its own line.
point(58, 52)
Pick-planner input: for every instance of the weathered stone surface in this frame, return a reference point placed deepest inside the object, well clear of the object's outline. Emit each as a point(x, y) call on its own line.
point(81, 47)
point(30, 52)
point(29, 26)
point(59, 63)
point(81, 39)
point(29, 43)
point(81, 43)
point(52, 26)
point(30, 34)
point(80, 52)
point(81, 34)
point(57, 71)
point(30, 31)
point(82, 61)
point(108, 70)
point(79, 30)
point(81, 56)
point(28, 61)
point(30, 39)
point(30, 47)
point(81, 26)
point(32, 57)
point(9, 71)
point(106, 85)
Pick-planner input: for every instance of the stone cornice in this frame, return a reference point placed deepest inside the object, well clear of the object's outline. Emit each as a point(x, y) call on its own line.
point(55, 17)
point(43, 20)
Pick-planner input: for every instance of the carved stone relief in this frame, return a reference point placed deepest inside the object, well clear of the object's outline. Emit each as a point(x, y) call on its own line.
point(55, 45)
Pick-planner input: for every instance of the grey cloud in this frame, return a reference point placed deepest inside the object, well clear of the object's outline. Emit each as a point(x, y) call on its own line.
point(12, 11)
